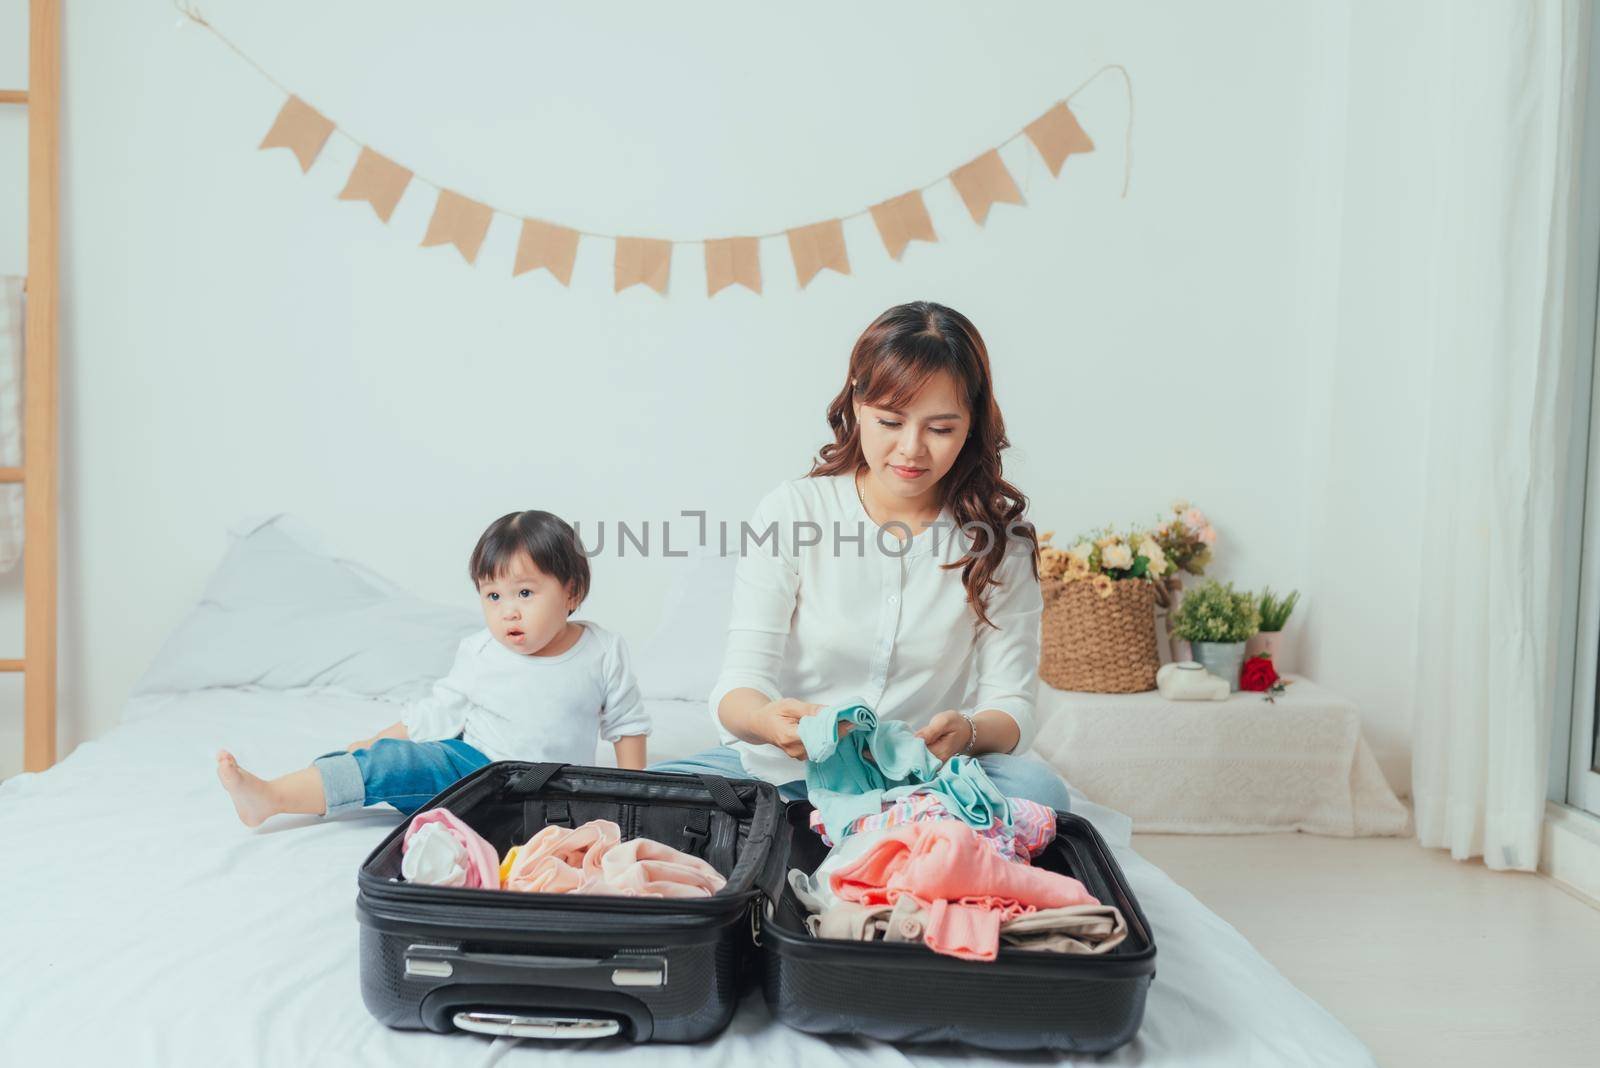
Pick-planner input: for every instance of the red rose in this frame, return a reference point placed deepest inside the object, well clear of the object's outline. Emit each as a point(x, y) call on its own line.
point(1258, 674)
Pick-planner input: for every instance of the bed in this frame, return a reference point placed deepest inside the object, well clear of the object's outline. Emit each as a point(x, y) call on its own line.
point(145, 926)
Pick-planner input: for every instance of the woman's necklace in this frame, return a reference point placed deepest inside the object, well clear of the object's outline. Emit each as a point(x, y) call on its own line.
point(862, 497)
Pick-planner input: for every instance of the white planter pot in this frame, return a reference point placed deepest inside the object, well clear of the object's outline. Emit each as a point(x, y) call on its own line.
point(1271, 643)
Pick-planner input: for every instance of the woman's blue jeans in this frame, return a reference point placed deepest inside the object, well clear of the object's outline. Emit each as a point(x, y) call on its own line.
point(403, 773)
point(1012, 775)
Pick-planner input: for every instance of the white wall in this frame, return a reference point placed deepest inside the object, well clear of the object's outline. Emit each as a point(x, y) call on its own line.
point(1364, 546)
point(239, 341)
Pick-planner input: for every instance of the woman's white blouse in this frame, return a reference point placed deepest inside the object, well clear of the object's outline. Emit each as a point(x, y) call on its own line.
point(829, 607)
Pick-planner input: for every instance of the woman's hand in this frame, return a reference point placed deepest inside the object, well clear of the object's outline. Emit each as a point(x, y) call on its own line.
point(779, 724)
point(948, 734)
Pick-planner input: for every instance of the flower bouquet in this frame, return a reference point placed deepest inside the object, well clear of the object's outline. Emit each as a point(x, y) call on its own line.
point(1186, 536)
point(1098, 632)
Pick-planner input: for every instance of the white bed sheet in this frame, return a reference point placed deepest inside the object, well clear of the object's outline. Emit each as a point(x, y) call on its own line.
point(144, 926)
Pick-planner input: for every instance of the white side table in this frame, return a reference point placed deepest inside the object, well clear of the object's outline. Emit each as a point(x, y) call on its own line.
point(1240, 766)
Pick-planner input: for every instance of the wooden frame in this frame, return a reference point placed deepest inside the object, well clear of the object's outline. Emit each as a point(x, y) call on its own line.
point(39, 404)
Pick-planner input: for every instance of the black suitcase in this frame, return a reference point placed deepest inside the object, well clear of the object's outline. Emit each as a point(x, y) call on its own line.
point(1021, 1000)
point(569, 966)
point(573, 966)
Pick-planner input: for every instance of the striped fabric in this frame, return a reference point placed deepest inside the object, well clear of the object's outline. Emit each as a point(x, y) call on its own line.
point(1033, 826)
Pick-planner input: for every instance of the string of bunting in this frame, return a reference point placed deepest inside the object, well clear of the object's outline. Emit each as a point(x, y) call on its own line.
point(463, 222)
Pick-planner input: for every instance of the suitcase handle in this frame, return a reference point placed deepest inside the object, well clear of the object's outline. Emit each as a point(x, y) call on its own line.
point(585, 973)
point(567, 1028)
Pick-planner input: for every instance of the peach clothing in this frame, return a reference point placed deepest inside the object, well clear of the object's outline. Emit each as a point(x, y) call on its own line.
point(966, 889)
point(592, 859)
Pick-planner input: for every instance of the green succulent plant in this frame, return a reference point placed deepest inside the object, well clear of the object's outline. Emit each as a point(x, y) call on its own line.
point(1216, 612)
point(1275, 610)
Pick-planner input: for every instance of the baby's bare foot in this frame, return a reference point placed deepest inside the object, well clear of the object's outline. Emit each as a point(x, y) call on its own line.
point(252, 796)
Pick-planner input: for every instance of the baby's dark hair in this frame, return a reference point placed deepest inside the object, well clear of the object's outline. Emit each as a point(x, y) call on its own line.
point(547, 539)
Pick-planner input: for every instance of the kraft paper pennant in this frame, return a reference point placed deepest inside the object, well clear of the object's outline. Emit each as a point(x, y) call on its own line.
point(378, 180)
point(733, 261)
point(985, 182)
point(902, 220)
point(817, 246)
point(643, 261)
point(1057, 135)
point(542, 244)
point(300, 129)
point(460, 222)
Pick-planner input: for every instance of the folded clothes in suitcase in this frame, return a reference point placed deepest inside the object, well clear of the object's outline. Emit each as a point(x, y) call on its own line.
point(566, 965)
point(672, 970)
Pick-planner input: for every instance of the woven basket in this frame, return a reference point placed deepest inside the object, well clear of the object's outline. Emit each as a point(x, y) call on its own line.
point(1099, 644)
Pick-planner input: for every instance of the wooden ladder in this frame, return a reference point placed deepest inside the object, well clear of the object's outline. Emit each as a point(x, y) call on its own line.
point(37, 475)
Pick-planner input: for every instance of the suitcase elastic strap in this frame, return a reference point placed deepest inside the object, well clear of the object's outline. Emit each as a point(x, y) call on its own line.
point(723, 793)
point(535, 778)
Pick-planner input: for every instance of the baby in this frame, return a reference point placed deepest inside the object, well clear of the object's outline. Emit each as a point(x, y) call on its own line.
point(535, 684)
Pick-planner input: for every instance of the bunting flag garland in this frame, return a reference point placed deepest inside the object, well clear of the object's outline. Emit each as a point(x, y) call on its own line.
point(460, 222)
point(378, 180)
point(817, 246)
point(301, 129)
point(733, 261)
point(1057, 135)
point(903, 220)
point(641, 261)
point(984, 183)
point(542, 244)
point(463, 222)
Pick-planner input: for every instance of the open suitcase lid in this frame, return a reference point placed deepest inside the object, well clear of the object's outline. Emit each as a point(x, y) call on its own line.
point(752, 799)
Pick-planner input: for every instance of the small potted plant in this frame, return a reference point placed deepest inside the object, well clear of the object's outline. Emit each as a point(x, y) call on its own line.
point(1216, 620)
point(1275, 612)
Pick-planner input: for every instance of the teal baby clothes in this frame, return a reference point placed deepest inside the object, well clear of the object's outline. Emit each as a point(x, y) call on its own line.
point(967, 792)
point(851, 777)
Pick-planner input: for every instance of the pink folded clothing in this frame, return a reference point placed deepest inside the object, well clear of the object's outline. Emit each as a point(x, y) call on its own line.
point(440, 850)
point(643, 867)
point(592, 859)
point(966, 888)
point(562, 860)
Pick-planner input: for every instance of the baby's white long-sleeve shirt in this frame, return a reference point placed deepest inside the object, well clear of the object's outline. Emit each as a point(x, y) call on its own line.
point(511, 706)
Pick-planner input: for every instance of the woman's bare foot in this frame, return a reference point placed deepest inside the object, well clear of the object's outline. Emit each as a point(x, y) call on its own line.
point(252, 796)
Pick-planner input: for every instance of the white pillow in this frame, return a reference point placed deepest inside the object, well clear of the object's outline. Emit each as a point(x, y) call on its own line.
point(682, 660)
point(280, 612)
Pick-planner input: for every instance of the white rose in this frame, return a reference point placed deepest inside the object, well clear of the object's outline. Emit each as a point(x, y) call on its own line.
point(1082, 550)
point(1118, 556)
point(1152, 552)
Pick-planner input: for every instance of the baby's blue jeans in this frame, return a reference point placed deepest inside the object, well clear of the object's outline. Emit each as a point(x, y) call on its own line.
point(404, 773)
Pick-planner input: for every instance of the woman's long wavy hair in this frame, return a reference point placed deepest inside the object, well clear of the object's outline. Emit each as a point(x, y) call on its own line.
point(892, 359)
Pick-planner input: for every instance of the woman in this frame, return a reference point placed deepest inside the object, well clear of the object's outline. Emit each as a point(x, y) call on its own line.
point(901, 574)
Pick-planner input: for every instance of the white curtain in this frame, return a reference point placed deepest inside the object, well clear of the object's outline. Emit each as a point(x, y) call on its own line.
point(10, 418)
point(1506, 100)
